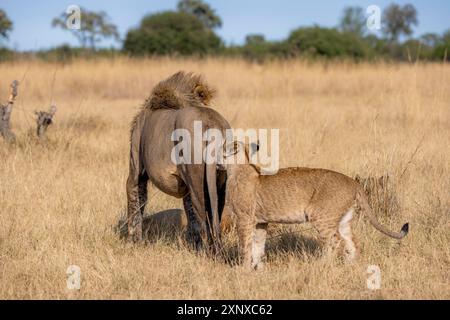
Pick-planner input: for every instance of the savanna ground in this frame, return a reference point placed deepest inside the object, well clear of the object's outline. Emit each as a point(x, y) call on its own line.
point(61, 201)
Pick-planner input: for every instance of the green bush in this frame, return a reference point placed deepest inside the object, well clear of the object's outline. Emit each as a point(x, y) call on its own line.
point(413, 50)
point(328, 43)
point(66, 53)
point(379, 46)
point(262, 51)
point(171, 33)
point(442, 51)
point(6, 54)
point(62, 53)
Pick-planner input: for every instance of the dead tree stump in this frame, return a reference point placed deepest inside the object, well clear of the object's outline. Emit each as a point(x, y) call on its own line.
point(5, 113)
point(44, 119)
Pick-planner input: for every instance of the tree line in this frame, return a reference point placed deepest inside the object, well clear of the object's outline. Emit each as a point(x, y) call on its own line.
point(191, 28)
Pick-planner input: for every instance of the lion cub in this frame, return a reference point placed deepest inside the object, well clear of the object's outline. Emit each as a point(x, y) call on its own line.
point(325, 198)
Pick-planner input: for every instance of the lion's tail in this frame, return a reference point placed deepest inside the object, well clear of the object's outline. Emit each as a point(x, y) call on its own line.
point(211, 181)
point(367, 210)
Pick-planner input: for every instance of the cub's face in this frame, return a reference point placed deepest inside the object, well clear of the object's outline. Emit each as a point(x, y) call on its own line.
point(239, 158)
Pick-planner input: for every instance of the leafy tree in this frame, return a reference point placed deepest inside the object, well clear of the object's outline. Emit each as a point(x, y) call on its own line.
point(442, 50)
point(252, 39)
point(323, 42)
point(94, 27)
point(378, 45)
point(5, 25)
point(257, 49)
point(446, 36)
point(6, 54)
point(171, 33)
point(65, 53)
point(413, 50)
point(398, 20)
point(353, 20)
point(430, 39)
point(202, 11)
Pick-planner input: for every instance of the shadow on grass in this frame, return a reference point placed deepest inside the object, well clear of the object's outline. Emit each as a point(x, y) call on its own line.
point(167, 224)
point(284, 242)
point(170, 226)
point(295, 244)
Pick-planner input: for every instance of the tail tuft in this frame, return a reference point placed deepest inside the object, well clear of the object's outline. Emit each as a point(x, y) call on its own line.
point(405, 229)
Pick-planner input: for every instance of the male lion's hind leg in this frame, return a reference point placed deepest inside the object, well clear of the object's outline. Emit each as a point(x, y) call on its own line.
point(134, 219)
point(137, 198)
point(258, 249)
point(350, 250)
point(193, 236)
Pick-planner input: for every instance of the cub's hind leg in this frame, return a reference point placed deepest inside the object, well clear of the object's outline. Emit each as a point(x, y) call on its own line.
point(350, 250)
point(246, 231)
point(258, 248)
point(328, 235)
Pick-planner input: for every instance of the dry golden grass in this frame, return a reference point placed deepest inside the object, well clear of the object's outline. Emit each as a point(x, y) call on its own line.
point(60, 201)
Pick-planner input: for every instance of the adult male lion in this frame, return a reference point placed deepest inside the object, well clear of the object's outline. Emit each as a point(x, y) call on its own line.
point(176, 103)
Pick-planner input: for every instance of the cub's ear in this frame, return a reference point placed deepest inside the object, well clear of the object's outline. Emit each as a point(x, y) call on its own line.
point(254, 147)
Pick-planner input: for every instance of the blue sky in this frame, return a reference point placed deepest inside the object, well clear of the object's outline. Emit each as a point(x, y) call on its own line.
point(274, 18)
